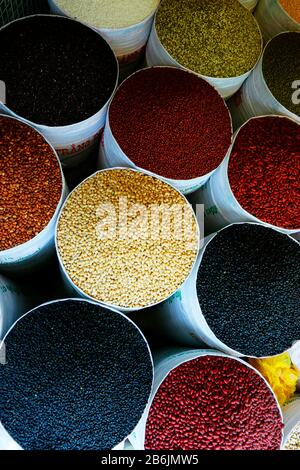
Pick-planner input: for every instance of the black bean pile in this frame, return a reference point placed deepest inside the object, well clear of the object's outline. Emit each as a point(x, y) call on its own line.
point(57, 71)
point(281, 68)
point(248, 287)
point(78, 376)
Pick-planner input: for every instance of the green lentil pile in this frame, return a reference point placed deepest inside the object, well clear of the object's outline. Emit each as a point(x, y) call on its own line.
point(293, 442)
point(130, 269)
point(281, 69)
point(215, 38)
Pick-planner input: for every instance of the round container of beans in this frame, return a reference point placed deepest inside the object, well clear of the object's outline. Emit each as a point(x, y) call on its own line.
point(273, 86)
point(243, 296)
point(258, 180)
point(68, 108)
point(125, 24)
point(187, 34)
point(291, 417)
point(204, 400)
point(276, 16)
point(56, 356)
point(32, 192)
point(169, 122)
point(126, 239)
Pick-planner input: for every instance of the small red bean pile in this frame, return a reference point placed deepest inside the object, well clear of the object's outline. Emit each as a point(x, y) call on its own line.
point(31, 183)
point(171, 122)
point(264, 170)
point(213, 403)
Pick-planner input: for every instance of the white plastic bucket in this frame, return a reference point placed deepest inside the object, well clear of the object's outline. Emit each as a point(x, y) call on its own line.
point(164, 362)
point(291, 417)
point(6, 441)
point(249, 4)
point(221, 206)
point(111, 155)
point(128, 43)
point(255, 99)
point(13, 303)
point(273, 19)
point(72, 287)
point(180, 317)
point(156, 54)
point(35, 252)
point(73, 143)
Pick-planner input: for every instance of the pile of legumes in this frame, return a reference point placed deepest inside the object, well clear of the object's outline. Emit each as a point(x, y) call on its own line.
point(127, 239)
point(171, 122)
point(292, 7)
point(108, 14)
point(78, 377)
point(57, 71)
point(255, 308)
point(31, 183)
point(213, 403)
point(281, 68)
point(293, 442)
point(215, 38)
point(264, 170)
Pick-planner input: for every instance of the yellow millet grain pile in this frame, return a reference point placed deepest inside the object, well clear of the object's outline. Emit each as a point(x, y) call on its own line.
point(142, 268)
point(109, 14)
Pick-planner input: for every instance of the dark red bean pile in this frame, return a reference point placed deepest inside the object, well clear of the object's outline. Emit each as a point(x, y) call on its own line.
point(57, 71)
point(264, 170)
point(248, 287)
point(213, 403)
point(78, 376)
point(171, 122)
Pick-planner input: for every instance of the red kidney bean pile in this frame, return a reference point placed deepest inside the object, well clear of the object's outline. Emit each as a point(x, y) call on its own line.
point(171, 122)
point(213, 403)
point(264, 170)
point(31, 183)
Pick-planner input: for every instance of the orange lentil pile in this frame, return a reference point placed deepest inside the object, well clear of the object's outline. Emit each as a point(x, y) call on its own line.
point(30, 183)
point(292, 7)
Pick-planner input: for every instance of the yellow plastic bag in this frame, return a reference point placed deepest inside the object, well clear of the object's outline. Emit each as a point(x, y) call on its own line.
point(281, 374)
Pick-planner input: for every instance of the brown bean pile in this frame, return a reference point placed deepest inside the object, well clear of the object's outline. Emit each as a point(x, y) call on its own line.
point(31, 183)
